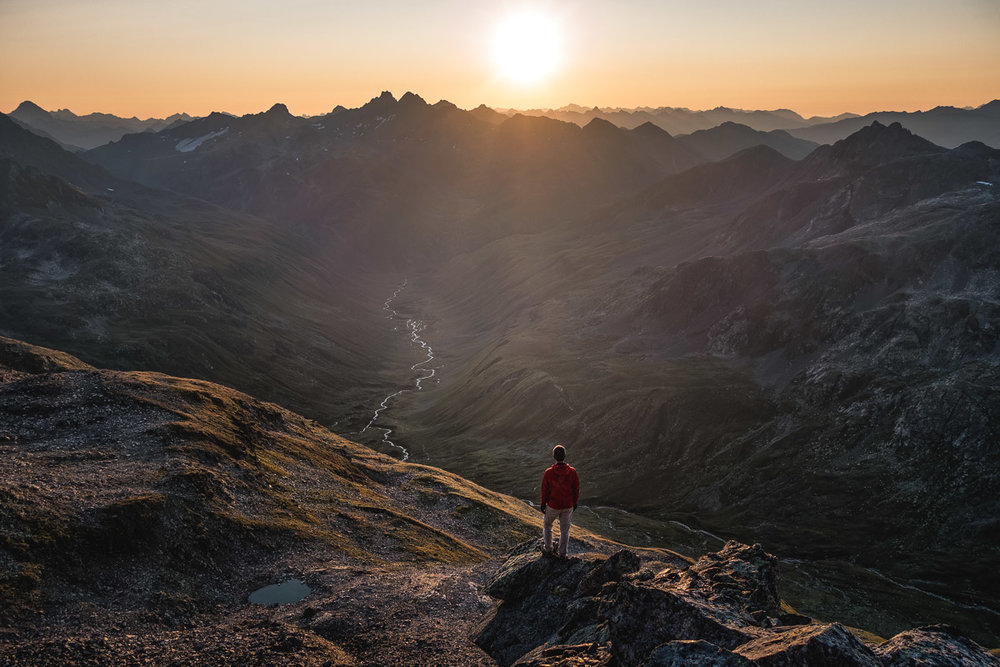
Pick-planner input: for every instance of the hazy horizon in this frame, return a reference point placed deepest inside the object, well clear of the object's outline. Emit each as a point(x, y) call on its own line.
point(398, 95)
point(135, 59)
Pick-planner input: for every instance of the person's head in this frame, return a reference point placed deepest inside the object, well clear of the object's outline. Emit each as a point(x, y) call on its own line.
point(559, 453)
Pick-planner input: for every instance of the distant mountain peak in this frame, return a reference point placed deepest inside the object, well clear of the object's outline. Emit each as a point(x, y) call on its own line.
point(445, 104)
point(386, 96)
point(878, 139)
point(384, 104)
point(875, 144)
point(601, 126)
point(733, 126)
point(485, 113)
point(409, 98)
point(760, 154)
point(278, 109)
point(650, 129)
point(28, 107)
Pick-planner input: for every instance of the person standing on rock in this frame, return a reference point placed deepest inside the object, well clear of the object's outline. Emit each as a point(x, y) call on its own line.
point(560, 493)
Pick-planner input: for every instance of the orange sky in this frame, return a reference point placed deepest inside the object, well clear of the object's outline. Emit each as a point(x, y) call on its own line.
point(132, 57)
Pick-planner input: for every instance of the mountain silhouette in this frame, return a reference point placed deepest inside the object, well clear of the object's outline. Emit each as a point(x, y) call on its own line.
point(728, 138)
point(83, 132)
point(944, 126)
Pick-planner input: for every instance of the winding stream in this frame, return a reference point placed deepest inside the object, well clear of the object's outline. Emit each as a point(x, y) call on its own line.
point(414, 328)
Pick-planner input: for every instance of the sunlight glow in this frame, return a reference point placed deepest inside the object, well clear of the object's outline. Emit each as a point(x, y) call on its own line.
point(527, 47)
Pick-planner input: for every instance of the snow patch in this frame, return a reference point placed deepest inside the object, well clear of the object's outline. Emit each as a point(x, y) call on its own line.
point(188, 145)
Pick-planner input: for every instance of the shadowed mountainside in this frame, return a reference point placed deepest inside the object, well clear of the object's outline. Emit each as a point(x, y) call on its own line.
point(137, 278)
point(400, 173)
point(771, 349)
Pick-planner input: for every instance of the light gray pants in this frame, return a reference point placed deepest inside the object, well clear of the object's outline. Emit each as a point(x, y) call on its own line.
point(565, 519)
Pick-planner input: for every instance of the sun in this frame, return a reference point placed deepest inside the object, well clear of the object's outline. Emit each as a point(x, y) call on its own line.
point(527, 47)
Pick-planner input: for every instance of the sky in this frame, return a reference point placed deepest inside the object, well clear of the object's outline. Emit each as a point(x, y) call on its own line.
point(152, 59)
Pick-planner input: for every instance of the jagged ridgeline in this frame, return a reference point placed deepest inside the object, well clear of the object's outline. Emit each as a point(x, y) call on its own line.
point(776, 343)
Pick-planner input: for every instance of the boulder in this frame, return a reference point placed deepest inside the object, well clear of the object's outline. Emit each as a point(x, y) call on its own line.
point(939, 645)
point(809, 646)
point(726, 598)
point(581, 655)
point(540, 601)
point(613, 569)
point(643, 615)
point(683, 652)
point(740, 576)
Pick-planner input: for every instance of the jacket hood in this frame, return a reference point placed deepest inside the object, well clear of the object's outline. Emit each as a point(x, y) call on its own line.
point(560, 468)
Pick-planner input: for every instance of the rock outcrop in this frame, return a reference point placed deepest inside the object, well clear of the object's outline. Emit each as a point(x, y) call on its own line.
point(722, 610)
point(939, 645)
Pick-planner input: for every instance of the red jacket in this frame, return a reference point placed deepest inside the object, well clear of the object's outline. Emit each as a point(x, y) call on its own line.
point(560, 486)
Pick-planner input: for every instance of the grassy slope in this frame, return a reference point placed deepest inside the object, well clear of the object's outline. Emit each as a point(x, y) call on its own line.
point(179, 482)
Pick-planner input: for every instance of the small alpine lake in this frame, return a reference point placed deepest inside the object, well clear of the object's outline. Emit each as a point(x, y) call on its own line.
point(283, 593)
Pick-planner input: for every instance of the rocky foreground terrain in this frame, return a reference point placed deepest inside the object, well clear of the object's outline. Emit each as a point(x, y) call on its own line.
point(723, 610)
point(138, 511)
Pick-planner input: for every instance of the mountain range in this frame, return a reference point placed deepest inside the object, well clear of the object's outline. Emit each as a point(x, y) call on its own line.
point(714, 133)
point(798, 352)
point(944, 125)
point(78, 133)
point(680, 120)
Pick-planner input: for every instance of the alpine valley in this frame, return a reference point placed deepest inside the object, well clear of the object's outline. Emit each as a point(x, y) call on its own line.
point(744, 336)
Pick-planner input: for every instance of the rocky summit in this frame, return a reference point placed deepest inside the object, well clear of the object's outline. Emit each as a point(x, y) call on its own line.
point(722, 610)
